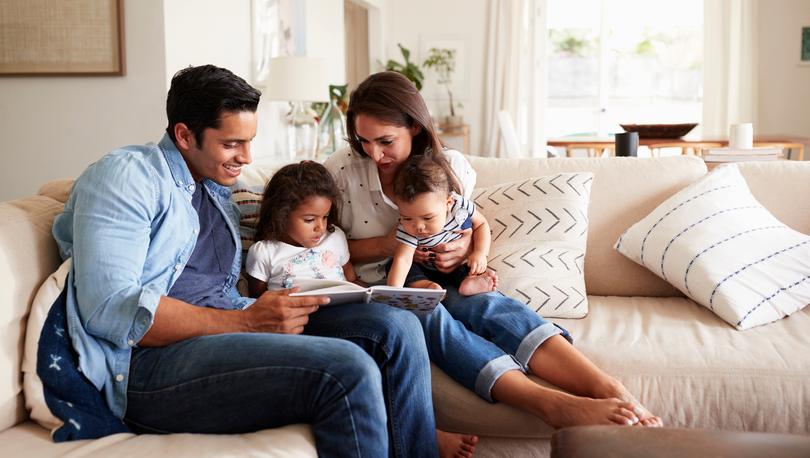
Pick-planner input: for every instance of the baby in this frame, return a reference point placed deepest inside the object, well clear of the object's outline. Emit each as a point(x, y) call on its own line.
point(431, 212)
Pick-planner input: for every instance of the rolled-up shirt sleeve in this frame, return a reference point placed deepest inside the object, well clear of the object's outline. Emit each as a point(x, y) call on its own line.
point(112, 217)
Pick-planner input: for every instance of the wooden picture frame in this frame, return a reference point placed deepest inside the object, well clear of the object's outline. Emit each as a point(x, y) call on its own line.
point(55, 37)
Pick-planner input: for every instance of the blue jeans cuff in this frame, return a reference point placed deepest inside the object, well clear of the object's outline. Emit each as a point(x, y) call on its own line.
point(532, 341)
point(492, 372)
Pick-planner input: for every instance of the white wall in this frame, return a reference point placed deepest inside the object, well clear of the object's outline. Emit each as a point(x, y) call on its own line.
point(202, 32)
point(54, 127)
point(784, 85)
point(416, 22)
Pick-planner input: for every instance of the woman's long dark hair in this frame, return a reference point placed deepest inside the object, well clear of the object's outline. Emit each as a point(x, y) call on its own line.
point(392, 99)
point(285, 191)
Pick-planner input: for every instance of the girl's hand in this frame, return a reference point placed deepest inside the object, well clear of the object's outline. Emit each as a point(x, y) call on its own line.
point(477, 262)
point(448, 256)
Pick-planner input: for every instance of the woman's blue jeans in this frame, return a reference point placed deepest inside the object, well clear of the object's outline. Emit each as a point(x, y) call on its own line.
point(476, 339)
point(237, 383)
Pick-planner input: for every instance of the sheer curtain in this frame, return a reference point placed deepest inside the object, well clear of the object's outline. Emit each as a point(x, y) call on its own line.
point(502, 79)
point(730, 64)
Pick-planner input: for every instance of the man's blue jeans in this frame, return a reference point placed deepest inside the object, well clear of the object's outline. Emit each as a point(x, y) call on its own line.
point(476, 339)
point(236, 383)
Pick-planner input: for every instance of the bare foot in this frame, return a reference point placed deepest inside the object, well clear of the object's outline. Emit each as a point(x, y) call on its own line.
point(618, 390)
point(477, 284)
point(581, 411)
point(424, 284)
point(452, 445)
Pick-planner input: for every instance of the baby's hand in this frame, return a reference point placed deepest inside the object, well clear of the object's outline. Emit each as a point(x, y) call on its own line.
point(477, 262)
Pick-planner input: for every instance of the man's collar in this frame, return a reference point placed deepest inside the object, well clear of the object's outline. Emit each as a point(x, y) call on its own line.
point(180, 171)
point(177, 164)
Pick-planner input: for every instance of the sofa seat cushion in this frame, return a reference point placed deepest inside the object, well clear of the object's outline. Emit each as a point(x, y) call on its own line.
point(32, 441)
point(683, 363)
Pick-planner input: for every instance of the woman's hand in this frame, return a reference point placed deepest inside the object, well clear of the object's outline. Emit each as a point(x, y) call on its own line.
point(446, 257)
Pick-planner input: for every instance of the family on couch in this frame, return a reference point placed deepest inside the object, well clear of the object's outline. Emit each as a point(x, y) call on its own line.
point(160, 331)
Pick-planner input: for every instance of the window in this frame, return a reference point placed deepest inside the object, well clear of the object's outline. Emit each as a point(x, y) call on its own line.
point(622, 61)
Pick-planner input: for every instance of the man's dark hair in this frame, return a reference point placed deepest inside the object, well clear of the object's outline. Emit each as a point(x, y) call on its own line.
point(198, 96)
point(287, 189)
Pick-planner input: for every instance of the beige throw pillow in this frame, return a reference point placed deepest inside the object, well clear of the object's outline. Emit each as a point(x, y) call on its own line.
point(539, 233)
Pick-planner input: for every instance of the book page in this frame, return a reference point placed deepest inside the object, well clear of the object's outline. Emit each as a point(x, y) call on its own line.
point(413, 299)
point(312, 284)
point(338, 295)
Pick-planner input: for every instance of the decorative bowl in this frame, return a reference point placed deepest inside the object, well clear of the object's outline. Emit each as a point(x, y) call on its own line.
point(660, 130)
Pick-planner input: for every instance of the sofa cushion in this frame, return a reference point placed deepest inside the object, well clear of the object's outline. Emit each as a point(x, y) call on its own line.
point(31, 441)
point(29, 254)
point(624, 191)
point(682, 363)
point(722, 248)
point(539, 232)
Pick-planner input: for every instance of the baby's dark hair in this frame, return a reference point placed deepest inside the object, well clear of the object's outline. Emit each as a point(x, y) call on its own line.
point(285, 191)
point(422, 173)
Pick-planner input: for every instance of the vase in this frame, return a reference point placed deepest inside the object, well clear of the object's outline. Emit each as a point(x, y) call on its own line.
point(332, 128)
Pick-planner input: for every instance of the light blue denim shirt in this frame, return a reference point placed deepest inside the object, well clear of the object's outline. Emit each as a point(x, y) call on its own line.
point(130, 228)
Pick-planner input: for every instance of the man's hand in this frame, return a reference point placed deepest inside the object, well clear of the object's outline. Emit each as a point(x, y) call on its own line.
point(446, 257)
point(276, 311)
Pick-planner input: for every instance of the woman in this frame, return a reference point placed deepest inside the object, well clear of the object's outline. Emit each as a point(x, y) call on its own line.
point(487, 342)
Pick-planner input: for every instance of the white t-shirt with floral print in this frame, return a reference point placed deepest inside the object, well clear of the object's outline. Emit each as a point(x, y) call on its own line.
point(279, 264)
point(366, 211)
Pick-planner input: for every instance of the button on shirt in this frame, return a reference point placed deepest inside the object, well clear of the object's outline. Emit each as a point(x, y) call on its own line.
point(366, 211)
point(130, 228)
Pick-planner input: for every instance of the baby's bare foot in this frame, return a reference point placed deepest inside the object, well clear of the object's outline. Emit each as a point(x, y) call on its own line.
point(453, 445)
point(484, 283)
point(579, 411)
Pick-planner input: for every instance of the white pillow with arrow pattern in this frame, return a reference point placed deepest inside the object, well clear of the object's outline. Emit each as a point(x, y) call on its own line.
point(539, 233)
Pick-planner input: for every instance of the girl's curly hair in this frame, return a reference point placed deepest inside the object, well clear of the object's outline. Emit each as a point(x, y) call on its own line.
point(285, 191)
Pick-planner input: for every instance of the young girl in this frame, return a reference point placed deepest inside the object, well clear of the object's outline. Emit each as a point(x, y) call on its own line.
point(297, 235)
point(431, 212)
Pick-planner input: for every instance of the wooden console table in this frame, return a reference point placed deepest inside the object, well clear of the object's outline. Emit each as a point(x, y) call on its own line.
point(596, 145)
point(452, 134)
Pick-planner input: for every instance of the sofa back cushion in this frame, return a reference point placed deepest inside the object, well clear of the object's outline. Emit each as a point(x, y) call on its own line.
point(28, 255)
point(624, 190)
point(783, 187)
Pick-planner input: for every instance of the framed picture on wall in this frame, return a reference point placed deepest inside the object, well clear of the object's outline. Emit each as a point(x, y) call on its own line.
point(805, 46)
point(45, 37)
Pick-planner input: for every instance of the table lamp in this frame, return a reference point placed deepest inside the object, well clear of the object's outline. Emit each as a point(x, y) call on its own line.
point(298, 80)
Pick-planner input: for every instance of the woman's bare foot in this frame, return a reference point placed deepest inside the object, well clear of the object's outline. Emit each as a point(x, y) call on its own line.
point(618, 390)
point(452, 445)
point(477, 284)
point(580, 411)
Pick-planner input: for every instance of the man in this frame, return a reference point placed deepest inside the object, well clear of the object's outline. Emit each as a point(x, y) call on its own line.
point(160, 330)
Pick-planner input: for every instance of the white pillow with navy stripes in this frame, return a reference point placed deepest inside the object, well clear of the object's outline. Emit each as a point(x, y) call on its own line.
point(724, 250)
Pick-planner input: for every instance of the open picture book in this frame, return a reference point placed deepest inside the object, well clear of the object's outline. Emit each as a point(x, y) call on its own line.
point(343, 292)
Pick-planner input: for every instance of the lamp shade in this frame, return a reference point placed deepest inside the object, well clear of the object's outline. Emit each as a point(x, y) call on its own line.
point(296, 79)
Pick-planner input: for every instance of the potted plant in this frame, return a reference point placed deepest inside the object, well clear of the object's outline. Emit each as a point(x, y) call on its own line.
point(443, 62)
point(409, 69)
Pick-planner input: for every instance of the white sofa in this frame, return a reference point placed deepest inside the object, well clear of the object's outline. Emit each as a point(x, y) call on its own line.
point(683, 362)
